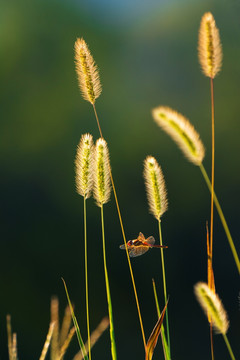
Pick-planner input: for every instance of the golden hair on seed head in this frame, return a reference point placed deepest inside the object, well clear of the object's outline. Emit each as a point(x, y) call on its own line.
point(155, 187)
point(209, 46)
point(181, 131)
point(84, 166)
point(87, 72)
point(102, 179)
point(212, 306)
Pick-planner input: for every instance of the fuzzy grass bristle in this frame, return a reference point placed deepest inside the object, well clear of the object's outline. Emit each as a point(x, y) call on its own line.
point(182, 132)
point(212, 306)
point(209, 46)
point(83, 165)
point(155, 187)
point(87, 72)
point(102, 180)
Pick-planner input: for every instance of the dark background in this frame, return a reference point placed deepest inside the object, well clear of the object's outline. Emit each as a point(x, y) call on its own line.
point(147, 55)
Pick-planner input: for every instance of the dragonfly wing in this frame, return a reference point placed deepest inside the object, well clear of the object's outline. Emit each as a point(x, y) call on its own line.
point(150, 240)
point(141, 237)
point(122, 247)
point(138, 250)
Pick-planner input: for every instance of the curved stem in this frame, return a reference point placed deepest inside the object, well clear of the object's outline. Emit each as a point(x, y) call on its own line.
point(125, 242)
point(112, 336)
point(223, 220)
point(86, 277)
point(213, 164)
point(164, 283)
point(229, 347)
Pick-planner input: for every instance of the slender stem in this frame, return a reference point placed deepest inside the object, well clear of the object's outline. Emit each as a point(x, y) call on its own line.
point(113, 344)
point(125, 242)
point(229, 347)
point(221, 215)
point(86, 277)
point(212, 196)
point(98, 123)
point(213, 165)
point(211, 339)
point(164, 284)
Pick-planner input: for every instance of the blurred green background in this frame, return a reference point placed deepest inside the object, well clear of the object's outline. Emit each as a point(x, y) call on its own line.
point(147, 55)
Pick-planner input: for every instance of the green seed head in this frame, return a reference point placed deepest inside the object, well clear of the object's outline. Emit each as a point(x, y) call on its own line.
point(102, 180)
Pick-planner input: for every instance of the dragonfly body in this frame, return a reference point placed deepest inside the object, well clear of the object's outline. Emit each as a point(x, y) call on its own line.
point(140, 245)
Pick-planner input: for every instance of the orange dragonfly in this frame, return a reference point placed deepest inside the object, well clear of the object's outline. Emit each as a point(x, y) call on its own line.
point(140, 245)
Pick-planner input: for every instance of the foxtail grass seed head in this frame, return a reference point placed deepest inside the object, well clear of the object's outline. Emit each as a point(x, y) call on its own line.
point(84, 166)
point(209, 46)
point(102, 181)
point(212, 306)
point(155, 187)
point(87, 72)
point(182, 132)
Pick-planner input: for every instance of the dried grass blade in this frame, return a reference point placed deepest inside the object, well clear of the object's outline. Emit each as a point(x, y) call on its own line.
point(104, 324)
point(14, 347)
point(66, 343)
point(55, 334)
point(80, 340)
point(9, 334)
point(163, 336)
point(47, 342)
point(152, 341)
point(65, 326)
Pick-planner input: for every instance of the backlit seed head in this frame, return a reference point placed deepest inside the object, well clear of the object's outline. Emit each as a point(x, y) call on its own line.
point(102, 180)
point(87, 72)
point(155, 187)
point(209, 46)
point(212, 306)
point(181, 131)
point(84, 166)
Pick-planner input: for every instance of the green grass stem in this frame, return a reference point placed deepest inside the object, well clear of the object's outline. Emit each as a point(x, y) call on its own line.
point(164, 341)
point(79, 337)
point(125, 241)
point(86, 276)
point(112, 336)
point(229, 347)
point(223, 220)
point(164, 284)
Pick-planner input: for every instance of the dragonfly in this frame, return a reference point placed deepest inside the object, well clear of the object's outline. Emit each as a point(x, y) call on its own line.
point(140, 245)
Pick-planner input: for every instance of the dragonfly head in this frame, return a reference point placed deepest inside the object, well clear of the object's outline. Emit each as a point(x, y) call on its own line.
point(130, 243)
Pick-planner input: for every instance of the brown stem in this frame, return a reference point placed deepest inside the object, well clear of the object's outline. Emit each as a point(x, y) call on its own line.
point(213, 165)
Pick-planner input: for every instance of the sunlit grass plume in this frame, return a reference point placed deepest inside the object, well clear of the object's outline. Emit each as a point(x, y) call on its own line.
point(181, 131)
point(209, 46)
point(155, 187)
point(87, 72)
